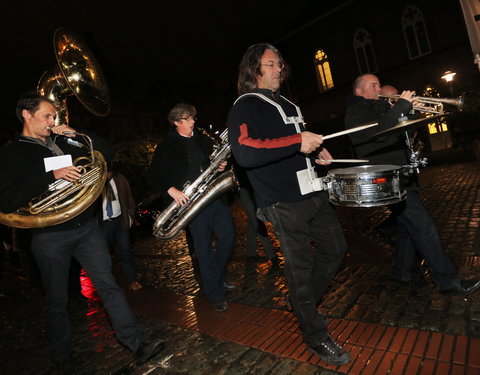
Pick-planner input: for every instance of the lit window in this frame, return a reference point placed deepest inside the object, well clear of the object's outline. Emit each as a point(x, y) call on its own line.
point(415, 32)
point(438, 126)
point(364, 52)
point(324, 74)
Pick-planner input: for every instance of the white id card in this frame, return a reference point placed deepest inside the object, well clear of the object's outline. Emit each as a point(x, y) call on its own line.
point(57, 162)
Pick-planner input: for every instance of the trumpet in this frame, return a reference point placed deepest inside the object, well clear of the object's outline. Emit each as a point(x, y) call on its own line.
point(431, 105)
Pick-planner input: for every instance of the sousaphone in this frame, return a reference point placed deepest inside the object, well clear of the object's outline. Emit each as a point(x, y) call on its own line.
point(77, 73)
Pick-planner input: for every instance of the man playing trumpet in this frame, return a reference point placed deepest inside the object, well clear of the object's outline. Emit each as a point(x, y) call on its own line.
point(415, 230)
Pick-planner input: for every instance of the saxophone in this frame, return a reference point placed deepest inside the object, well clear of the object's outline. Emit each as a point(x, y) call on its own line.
point(207, 187)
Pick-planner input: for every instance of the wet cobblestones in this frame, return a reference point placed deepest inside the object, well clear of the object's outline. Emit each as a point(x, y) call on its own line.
point(361, 291)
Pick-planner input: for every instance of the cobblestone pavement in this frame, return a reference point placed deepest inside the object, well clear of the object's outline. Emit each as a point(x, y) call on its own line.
point(361, 291)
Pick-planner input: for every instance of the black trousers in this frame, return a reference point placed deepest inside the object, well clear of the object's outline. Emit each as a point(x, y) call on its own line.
point(308, 269)
point(53, 252)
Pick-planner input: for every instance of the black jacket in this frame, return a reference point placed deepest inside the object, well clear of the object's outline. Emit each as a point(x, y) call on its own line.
point(24, 176)
point(170, 164)
point(388, 149)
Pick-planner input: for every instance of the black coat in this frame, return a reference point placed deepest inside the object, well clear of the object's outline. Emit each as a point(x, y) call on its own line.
point(170, 164)
point(389, 149)
point(24, 176)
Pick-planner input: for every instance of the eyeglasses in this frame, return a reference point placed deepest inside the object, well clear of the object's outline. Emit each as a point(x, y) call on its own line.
point(271, 65)
point(194, 118)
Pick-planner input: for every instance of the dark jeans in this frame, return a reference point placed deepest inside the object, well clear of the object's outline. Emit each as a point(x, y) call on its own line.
point(53, 252)
point(308, 270)
point(416, 231)
point(255, 228)
point(115, 233)
point(213, 219)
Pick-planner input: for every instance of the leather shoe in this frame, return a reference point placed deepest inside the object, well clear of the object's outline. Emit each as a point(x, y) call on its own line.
point(408, 283)
point(275, 261)
point(463, 287)
point(135, 286)
point(147, 351)
point(66, 367)
point(221, 306)
point(257, 258)
point(229, 287)
point(331, 352)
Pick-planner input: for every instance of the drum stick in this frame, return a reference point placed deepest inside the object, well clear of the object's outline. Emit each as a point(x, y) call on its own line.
point(346, 160)
point(352, 130)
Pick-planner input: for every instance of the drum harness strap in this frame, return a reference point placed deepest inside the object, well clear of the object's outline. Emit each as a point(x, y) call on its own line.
point(307, 178)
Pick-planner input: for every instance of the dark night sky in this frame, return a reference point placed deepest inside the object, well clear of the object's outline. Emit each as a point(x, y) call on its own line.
point(198, 42)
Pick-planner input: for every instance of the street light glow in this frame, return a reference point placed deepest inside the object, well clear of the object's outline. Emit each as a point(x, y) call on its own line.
point(448, 76)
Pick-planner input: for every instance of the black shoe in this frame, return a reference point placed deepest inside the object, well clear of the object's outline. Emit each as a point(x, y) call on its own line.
point(257, 258)
point(221, 306)
point(331, 352)
point(275, 261)
point(66, 367)
point(463, 287)
point(229, 287)
point(147, 351)
point(408, 283)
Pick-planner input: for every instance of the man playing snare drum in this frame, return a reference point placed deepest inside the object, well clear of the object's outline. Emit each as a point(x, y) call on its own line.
point(268, 139)
point(415, 230)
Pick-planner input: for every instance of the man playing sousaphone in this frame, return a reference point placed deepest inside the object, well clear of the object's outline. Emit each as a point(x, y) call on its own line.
point(31, 164)
point(415, 229)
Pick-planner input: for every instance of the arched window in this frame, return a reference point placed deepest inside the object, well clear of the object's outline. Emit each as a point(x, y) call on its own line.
point(415, 32)
point(324, 74)
point(364, 52)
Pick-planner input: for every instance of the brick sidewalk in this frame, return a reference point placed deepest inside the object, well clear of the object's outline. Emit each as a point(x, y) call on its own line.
point(375, 349)
point(387, 327)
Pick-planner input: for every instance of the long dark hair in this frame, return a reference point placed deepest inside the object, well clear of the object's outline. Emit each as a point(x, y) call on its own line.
point(249, 67)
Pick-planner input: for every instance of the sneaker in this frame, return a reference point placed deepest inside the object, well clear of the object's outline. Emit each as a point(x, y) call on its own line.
point(135, 286)
point(331, 352)
point(147, 351)
point(463, 287)
point(221, 306)
point(257, 258)
point(229, 287)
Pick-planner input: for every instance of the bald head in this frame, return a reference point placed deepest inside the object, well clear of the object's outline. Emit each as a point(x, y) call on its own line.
point(367, 86)
point(388, 90)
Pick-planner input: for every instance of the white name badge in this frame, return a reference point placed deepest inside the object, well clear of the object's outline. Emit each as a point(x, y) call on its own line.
point(308, 181)
point(57, 162)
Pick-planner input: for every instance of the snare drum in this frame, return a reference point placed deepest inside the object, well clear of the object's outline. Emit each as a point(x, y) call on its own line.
point(366, 186)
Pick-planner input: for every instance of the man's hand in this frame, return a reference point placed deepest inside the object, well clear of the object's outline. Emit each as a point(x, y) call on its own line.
point(323, 157)
point(178, 196)
point(310, 142)
point(222, 166)
point(408, 95)
point(67, 173)
point(60, 129)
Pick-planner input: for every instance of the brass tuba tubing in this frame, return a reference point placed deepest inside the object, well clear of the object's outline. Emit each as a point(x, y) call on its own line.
point(82, 183)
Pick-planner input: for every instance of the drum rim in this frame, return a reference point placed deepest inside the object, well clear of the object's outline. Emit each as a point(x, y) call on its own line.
point(351, 172)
